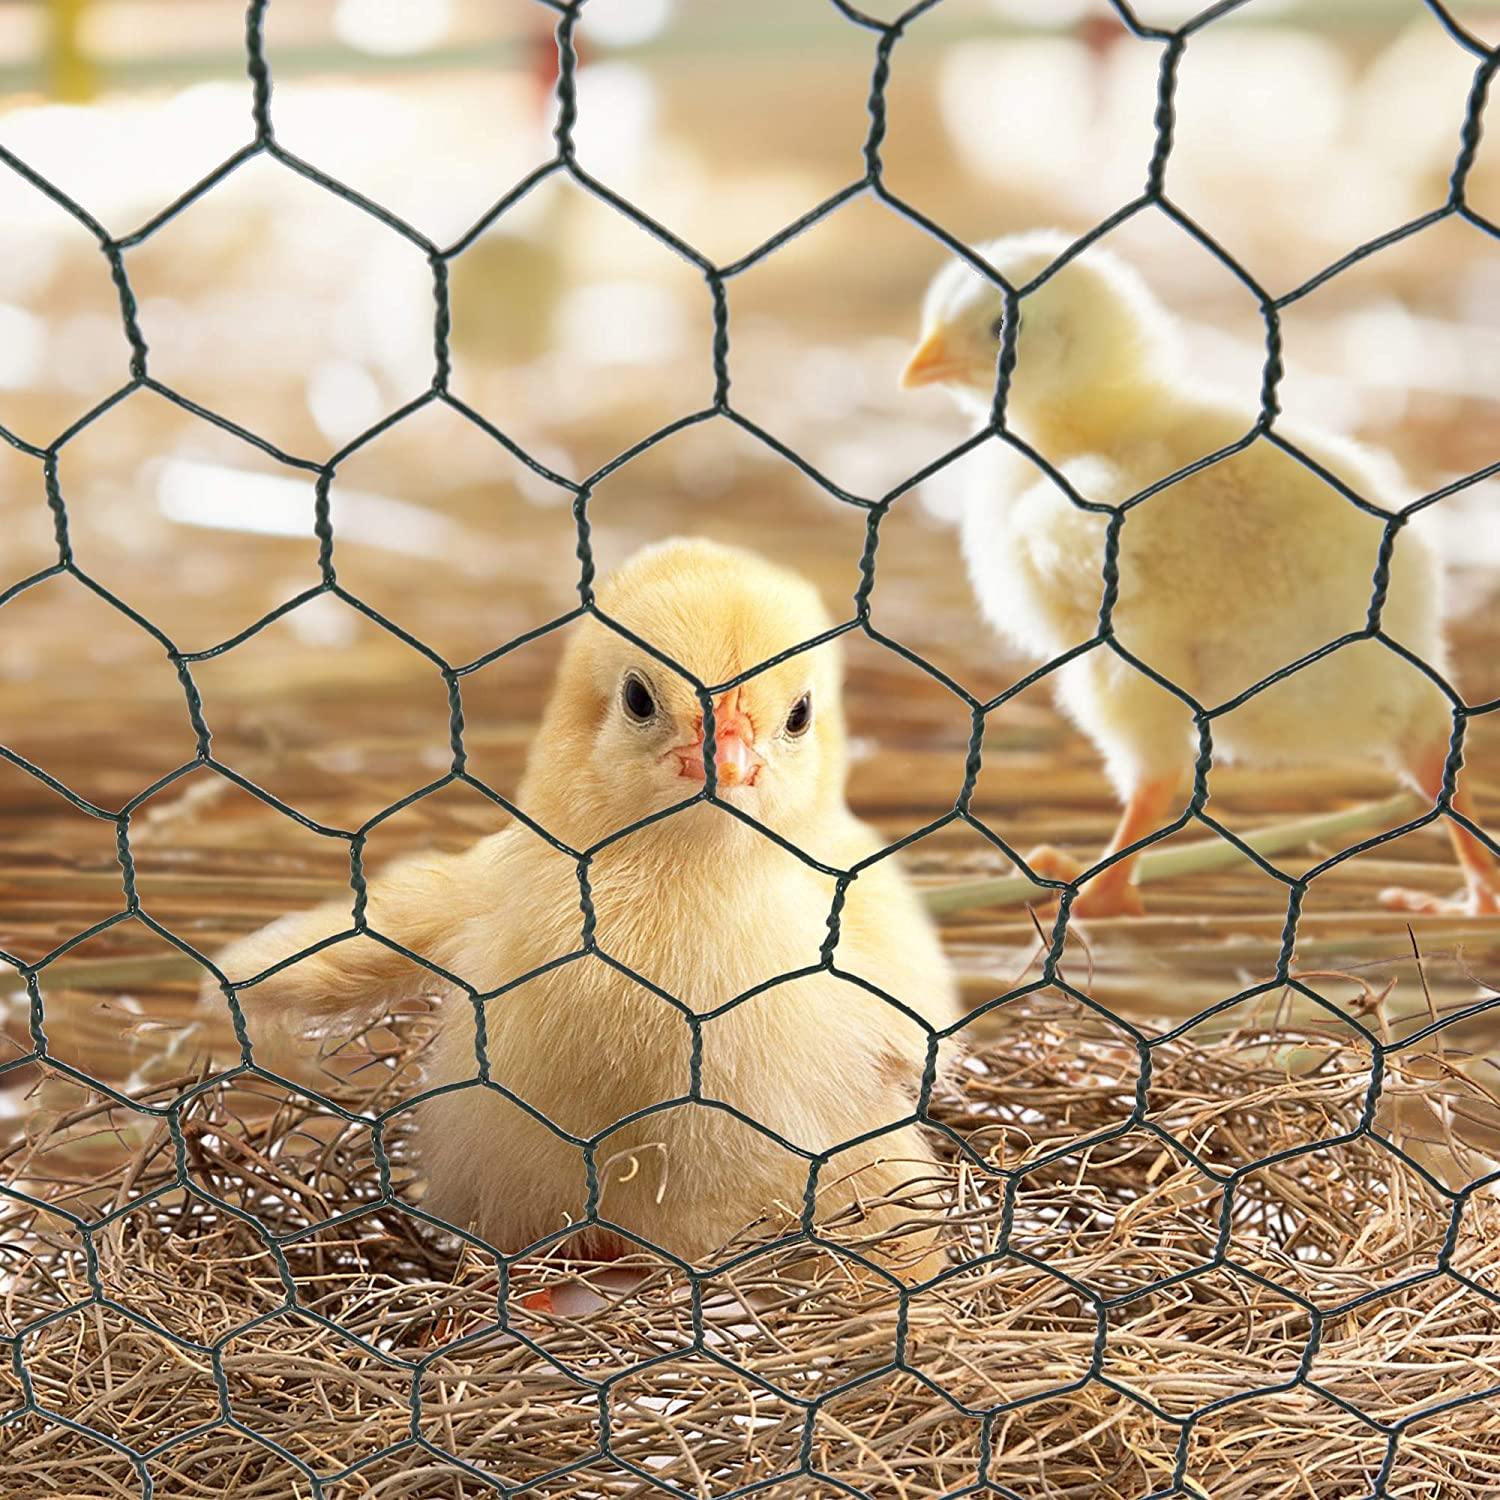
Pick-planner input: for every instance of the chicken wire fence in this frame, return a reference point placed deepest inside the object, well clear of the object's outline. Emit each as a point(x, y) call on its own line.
point(1175, 45)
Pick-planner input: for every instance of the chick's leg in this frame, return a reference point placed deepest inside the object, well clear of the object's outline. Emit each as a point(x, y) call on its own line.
point(1480, 868)
point(1112, 893)
point(451, 1326)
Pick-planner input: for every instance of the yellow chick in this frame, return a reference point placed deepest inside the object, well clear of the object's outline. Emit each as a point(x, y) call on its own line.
point(700, 904)
point(1225, 577)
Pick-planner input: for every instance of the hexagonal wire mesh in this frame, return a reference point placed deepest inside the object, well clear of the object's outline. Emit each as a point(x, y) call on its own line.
point(1174, 45)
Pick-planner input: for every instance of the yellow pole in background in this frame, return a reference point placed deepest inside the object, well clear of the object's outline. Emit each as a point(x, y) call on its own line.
point(70, 74)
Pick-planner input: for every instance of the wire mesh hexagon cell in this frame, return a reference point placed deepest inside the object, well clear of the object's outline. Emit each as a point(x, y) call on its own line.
point(1146, 1276)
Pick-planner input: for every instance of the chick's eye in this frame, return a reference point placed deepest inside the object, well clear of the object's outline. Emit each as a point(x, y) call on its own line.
point(637, 700)
point(997, 328)
point(798, 720)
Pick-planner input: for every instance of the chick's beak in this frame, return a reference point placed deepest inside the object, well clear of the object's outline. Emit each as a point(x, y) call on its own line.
point(735, 763)
point(735, 760)
point(931, 363)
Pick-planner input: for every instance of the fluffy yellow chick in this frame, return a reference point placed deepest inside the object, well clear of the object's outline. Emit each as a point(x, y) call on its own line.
point(1225, 576)
point(700, 904)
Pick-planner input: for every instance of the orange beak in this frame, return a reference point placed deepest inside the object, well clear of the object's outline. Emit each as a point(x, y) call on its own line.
point(931, 363)
point(735, 760)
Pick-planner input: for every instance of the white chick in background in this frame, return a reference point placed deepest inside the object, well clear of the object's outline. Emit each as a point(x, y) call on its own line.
point(1225, 576)
point(700, 904)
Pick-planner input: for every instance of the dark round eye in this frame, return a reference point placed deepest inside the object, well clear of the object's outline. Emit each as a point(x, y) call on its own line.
point(997, 328)
point(637, 700)
point(800, 718)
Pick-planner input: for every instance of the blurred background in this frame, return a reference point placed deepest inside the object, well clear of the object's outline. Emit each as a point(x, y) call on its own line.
point(1304, 129)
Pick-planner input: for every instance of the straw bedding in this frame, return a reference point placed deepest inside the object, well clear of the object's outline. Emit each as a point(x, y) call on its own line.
point(1144, 1335)
point(340, 718)
point(1117, 1216)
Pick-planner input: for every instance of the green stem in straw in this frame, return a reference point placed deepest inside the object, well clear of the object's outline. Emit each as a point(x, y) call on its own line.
point(1186, 859)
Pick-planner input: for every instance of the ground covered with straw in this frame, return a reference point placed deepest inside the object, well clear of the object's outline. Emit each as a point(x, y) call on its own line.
point(1212, 1280)
point(1244, 1293)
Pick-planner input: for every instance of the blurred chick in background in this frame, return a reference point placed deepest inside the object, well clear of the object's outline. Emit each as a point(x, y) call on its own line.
point(699, 903)
point(1225, 577)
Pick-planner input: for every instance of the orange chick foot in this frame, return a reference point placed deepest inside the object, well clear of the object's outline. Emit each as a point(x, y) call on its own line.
point(1107, 895)
point(1121, 899)
point(449, 1327)
point(1477, 901)
point(1052, 864)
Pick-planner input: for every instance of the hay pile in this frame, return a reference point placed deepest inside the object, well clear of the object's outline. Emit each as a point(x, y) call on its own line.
point(1131, 1387)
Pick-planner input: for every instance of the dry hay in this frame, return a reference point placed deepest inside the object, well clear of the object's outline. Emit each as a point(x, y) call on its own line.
point(796, 1357)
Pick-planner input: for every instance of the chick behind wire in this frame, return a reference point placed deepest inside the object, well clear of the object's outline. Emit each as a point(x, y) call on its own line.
point(700, 904)
point(1226, 576)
